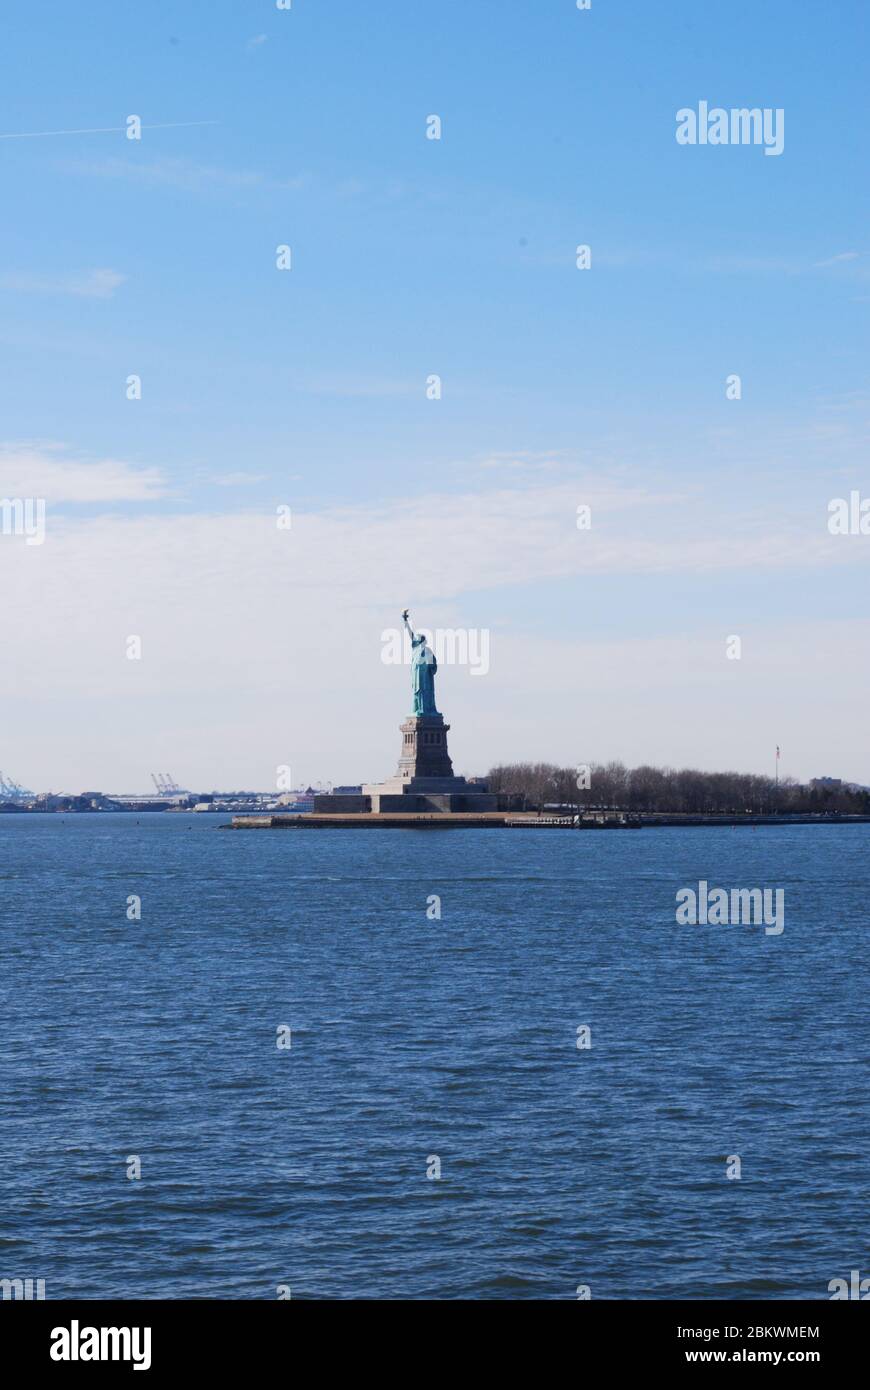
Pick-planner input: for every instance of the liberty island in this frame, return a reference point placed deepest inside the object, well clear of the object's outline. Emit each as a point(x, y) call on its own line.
point(424, 789)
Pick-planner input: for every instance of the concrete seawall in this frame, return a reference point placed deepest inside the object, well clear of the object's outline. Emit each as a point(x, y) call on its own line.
point(442, 820)
point(492, 820)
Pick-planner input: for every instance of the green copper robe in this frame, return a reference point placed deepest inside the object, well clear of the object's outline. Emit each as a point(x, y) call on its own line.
point(423, 668)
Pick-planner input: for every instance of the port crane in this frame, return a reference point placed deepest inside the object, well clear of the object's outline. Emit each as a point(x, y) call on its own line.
point(11, 791)
point(166, 784)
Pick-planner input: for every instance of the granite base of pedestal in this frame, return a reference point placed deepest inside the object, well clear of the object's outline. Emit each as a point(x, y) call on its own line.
point(407, 800)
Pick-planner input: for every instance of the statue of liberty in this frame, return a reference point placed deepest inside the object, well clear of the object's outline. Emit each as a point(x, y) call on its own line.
point(423, 668)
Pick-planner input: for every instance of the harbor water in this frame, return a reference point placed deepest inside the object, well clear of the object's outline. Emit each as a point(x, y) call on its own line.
point(429, 1064)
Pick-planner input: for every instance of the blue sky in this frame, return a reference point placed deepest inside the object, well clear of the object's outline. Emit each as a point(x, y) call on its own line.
point(413, 257)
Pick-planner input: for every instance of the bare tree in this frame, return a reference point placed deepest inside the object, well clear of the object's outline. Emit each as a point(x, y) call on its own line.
point(687, 790)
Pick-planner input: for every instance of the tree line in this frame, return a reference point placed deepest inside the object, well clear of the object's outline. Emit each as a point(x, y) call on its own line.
point(687, 790)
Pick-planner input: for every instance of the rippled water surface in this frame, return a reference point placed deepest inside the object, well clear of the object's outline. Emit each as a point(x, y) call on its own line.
point(414, 1037)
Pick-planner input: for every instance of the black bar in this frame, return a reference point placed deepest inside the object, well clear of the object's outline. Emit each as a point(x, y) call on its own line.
point(233, 1337)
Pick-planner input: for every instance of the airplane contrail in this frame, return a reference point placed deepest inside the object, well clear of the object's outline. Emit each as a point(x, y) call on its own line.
point(101, 130)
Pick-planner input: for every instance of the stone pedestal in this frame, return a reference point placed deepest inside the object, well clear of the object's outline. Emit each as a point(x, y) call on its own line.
point(423, 781)
point(424, 750)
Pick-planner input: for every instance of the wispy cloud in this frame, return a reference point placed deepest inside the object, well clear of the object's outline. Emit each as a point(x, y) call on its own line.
point(184, 173)
point(774, 265)
point(89, 284)
point(97, 130)
point(45, 470)
point(237, 479)
point(256, 42)
point(523, 461)
point(838, 260)
point(352, 384)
